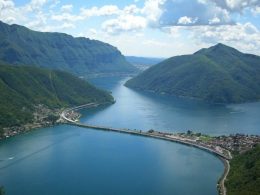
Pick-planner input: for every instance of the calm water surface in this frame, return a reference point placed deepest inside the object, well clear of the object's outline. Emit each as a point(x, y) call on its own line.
point(144, 110)
point(72, 160)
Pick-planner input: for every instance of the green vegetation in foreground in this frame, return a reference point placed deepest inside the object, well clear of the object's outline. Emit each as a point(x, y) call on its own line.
point(2, 191)
point(244, 175)
point(81, 56)
point(219, 74)
point(22, 88)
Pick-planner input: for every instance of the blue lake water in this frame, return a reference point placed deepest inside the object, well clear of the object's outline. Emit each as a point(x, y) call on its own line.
point(146, 110)
point(72, 160)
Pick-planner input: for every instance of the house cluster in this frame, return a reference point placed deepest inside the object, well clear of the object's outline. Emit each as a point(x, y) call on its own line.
point(42, 117)
point(72, 115)
point(237, 142)
point(233, 143)
point(222, 144)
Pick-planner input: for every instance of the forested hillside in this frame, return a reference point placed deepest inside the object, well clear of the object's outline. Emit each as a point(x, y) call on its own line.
point(22, 88)
point(81, 56)
point(219, 74)
point(244, 175)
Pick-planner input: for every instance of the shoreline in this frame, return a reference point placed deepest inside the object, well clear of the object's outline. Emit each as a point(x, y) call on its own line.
point(221, 183)
point(2, 138)
point(186, 97)
point(225, 160)
point(64, 120)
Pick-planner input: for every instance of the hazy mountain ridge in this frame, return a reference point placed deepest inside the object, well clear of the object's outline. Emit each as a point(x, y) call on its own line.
point(22, 46)
point(149, 61)
point(219, 74)
point(142, 63)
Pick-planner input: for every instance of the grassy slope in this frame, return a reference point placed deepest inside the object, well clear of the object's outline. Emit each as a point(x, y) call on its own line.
point(219, 74)
point(82, 56)
point(244, 175)
point(22, 87)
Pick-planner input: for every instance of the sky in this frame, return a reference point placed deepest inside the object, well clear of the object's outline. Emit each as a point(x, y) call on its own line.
point(151, 28)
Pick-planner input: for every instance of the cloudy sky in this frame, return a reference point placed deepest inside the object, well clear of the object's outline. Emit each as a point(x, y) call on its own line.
point(157, 28)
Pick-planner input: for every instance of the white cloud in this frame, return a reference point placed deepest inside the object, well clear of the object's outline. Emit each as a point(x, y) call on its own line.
point(245, 37)
point(54, 4)
point(66, 8)
point(237, 5)
point(186, 20)
point(124, 23)
point(39, 22)
point(67, 25)
point(214, 20)
point(192, 13)
point(152, 11)
point(93, 31)
point(35, 5)
point(154, 43)
point(6, 4)
point(131, 9)
point(106, 10)
point(200, 21)
point(66, 17)
point(7, 11)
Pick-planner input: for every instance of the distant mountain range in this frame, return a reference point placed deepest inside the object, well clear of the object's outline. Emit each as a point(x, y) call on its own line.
point(23, 87)
point(143, 60)
point(81, 56)
point(219, 74)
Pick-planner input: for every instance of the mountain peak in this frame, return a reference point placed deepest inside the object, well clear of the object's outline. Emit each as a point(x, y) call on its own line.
point(219, 48)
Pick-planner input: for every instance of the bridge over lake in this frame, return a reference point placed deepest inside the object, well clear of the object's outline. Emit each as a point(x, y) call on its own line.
point(153, 134)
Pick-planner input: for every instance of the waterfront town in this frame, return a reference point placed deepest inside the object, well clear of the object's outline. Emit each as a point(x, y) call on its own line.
point(42, 117)
point(224, 144)
point(235, 143)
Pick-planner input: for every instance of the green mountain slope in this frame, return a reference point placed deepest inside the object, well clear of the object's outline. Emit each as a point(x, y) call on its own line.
point(22, 46)
point(244, 175)
point(22, 88)
point(219, 74)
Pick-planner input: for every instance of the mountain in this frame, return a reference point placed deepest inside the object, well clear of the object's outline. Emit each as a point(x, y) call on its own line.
point(143, 63)
point(219, 74)
point(22, 88)
point(244, 175)
point(81, 56)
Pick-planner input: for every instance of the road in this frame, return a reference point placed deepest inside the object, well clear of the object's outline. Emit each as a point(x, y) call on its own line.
point(163, 136)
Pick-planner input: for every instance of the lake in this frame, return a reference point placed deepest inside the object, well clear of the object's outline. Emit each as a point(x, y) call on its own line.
point(146, 110)
point(72, 160)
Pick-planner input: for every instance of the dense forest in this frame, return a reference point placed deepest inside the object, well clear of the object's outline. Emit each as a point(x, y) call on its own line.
point(21, 88)
point(219, 74)
point(244, 175)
